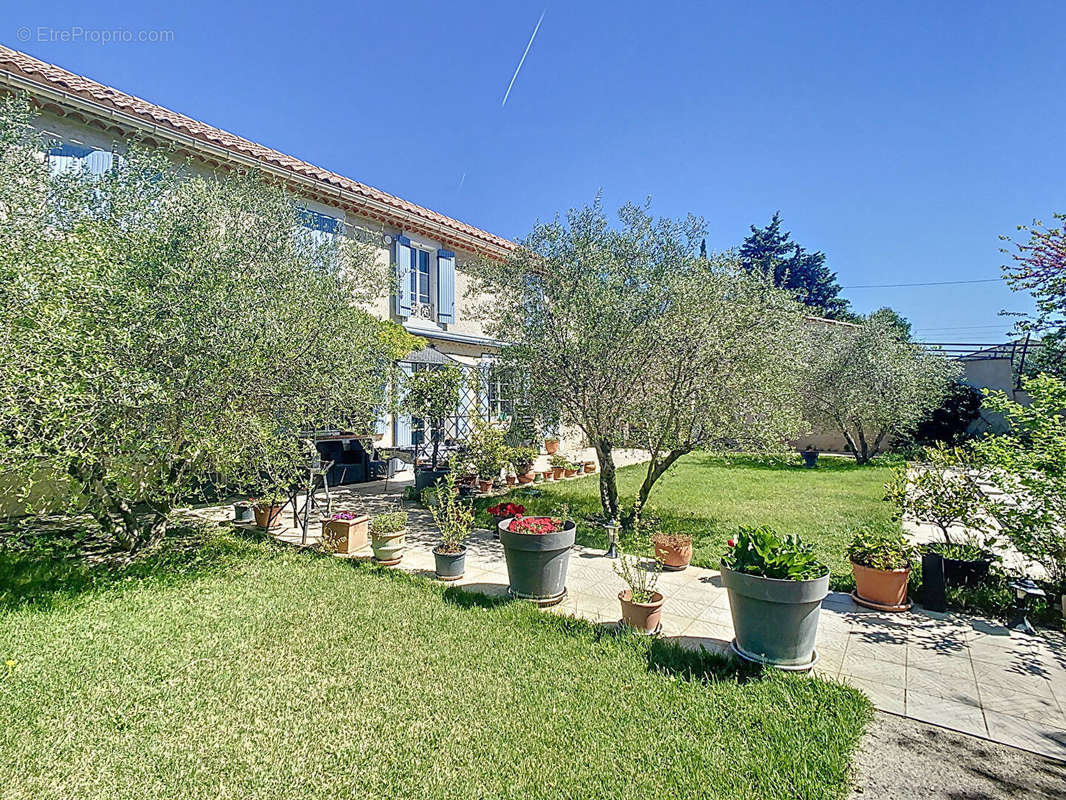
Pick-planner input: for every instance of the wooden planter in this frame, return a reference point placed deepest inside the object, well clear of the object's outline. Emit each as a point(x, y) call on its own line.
point(350, 535)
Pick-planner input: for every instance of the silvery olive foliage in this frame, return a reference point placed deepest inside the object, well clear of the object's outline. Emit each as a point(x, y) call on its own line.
point(871, 384)
point(625, 332)
point(162, 331)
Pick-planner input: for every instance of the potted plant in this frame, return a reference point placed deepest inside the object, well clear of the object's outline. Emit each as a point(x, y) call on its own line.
point(388, 537)
point(487, 452)
point(345, 532)
point(502, 511)
point(267, 509)
point(243, 511)
point(810, 456)
point(521, 459)
point(551, 445)
point(673, 550)
point(881, 565)
point(559, 464)
point(590, 467)
point(537, 550)
point(455, 521)
point(776, 587)
point(945, 494)
point(642, 603)
point(430, 397)
point(571, 468)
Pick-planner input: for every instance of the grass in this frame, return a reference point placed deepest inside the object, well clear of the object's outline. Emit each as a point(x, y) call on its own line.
point(231, 667)
point(709, 496)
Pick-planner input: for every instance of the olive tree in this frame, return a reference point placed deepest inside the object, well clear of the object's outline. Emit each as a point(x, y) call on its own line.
point(871, 384)
point(723, 374)
point(161, 331)
point(579, 303)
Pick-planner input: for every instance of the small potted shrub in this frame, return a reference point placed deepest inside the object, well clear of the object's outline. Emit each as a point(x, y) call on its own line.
point(882, 567)
point(571, 468)
point(551, 445)
point(487, 451)
point(388, 537)
point(267, 509)
point(559, 464)
point(537, 550)
point(642, 603)
point(455, 521)
point(504, 511)
point(776, 587)
point(521, 459)
point(673, 550)
point(345, 532)
point(590, 467)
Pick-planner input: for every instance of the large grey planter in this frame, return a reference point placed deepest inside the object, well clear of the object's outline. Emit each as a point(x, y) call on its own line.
point(536, 564)
point(775, 621)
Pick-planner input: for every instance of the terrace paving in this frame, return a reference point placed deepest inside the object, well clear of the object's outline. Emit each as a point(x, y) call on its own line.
point(964, 673)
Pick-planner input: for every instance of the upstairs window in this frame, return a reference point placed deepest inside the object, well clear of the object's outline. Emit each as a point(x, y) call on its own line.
point(420, 291)
point(75, 157)
point(322, 227)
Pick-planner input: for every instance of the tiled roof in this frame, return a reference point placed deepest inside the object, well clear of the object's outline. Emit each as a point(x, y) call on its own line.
point(404, 214)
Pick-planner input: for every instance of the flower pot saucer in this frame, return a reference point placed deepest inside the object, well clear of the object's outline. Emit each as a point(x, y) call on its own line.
point(746, 656)
point(542, 602)
point(668, 568)
point(392, 562)
point(862, 601)
point(448, 578)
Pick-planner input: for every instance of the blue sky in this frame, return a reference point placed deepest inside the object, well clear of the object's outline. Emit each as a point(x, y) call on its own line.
point(901, 138)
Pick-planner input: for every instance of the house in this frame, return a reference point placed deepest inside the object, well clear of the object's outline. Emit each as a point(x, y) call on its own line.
point(90, 123)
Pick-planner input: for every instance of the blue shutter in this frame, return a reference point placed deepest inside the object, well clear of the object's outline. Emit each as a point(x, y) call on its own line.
point(98, 162)
point(445, 286)
point(402, 434)
point(402, 254)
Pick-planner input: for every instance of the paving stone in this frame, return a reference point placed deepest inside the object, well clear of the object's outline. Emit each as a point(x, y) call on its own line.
point(946, 713)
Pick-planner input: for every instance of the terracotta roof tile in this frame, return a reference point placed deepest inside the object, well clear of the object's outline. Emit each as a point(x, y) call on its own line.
point(55, 77)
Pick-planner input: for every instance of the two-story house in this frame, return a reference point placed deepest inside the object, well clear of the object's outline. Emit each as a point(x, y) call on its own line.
point(90, 123)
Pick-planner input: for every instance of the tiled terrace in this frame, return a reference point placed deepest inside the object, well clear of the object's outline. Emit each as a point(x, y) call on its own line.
point(960, 672)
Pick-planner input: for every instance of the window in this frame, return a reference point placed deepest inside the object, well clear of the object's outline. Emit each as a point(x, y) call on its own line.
point(322, 227)
point(500, 393)
point(75, 157)
point(420, 276)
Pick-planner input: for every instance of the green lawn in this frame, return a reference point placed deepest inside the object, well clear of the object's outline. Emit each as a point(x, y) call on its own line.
point(234, 668)
point(710, 496)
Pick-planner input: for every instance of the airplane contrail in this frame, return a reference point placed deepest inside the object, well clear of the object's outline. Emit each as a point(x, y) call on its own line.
point(523, 59)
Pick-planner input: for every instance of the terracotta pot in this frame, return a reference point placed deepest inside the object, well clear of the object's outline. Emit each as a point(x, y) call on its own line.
point(674, 557)
point(590, 466)
point(885, 587)
point(526, 477)
point(569, 472)
point(511, 480)
point(551, 446)
point(557, 473)
point(643, 617)
point(267, 516)
point(484, 486)
point(349, 534)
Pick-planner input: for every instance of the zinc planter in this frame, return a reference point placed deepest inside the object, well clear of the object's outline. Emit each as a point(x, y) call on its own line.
point(424, 478)
point(242, 511)
point(775, 621)
point(388, 547)
point(536, 563)
point(810, 458)
point(881, 589)
point(646, 618)
point(450, 566)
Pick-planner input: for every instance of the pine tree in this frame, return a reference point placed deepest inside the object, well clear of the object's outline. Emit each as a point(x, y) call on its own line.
point(772, 251)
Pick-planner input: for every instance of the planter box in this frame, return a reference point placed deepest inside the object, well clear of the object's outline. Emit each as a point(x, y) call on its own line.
point(775, 621)
point(536, 564)
point(349, 534)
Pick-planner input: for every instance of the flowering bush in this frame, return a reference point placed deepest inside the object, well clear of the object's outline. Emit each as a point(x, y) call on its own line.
point(507, 510)
point(537, 525)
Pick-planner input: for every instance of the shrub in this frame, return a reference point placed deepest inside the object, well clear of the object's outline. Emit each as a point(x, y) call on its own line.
point(641, 579)
point(878, 551)
point(762, 551)
point(388, 523)
point(453, 516)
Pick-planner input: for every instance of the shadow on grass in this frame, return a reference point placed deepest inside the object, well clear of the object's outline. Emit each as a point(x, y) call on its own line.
point(53, 564)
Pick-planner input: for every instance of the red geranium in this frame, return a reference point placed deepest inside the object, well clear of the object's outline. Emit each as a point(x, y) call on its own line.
point(536, 525)
point(507, 510)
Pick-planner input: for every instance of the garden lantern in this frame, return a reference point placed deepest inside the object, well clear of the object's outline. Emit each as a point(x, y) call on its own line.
point(1024, 589)
point(612, 527)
